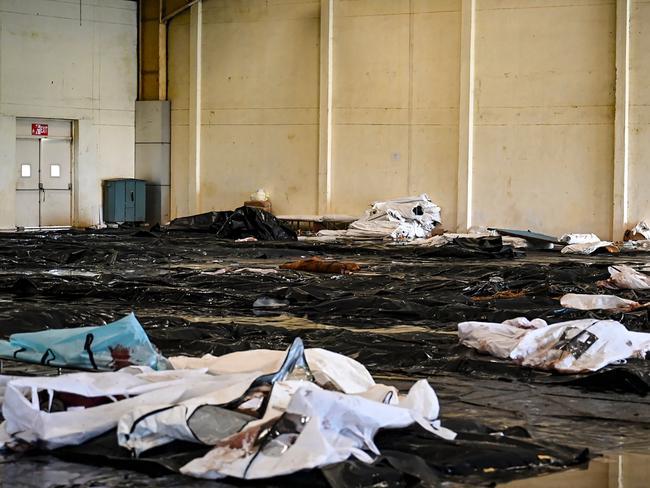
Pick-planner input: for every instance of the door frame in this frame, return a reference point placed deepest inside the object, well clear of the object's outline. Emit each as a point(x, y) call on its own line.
point(73, 164)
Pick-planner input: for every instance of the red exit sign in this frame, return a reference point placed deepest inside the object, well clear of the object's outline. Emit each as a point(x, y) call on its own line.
point(39, 129)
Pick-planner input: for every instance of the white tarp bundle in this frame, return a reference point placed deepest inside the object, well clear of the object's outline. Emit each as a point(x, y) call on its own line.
point(28, 401)
point(586, 247)
point(598, 302)
point(266, 413)
point(576, 346)
point(626, 278)
point(400, 219)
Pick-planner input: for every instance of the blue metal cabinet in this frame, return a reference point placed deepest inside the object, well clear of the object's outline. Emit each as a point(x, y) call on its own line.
point(124, 200)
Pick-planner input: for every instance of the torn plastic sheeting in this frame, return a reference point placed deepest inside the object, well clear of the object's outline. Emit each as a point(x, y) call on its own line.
point(640, 232)
point(625, 277)
point(104, 347)
point(598, 302)
point(590, 248)
point(300, 425)
point(399, 219)
point(46, 410)
point(320, 428)
point(576, 346)
point(579, 238)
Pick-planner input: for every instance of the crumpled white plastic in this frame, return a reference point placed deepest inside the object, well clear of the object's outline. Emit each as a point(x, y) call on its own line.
point(575, 346)
point(399, 219)
point(626, 278)
point(579, 238)
point(585, 248)
point(641, 231)
point(315, 416)
point(598, 302)
point(140, 385)
point(334, 427)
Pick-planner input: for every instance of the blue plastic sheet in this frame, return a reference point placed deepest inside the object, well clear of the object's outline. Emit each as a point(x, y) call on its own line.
point(104, 347)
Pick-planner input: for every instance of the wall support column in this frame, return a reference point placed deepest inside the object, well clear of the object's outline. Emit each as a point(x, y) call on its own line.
point(466, 116)
point(621, 121)
point(194, 177)
point(8, 172)
point(325, 110)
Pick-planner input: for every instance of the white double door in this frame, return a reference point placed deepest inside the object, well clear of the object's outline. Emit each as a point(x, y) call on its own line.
point(44, 183)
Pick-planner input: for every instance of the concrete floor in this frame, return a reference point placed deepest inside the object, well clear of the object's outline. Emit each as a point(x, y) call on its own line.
point(171, 283)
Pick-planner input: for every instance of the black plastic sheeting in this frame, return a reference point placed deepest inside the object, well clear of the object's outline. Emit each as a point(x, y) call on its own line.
point(238, 224)
point(397, 316)
point(479, 455)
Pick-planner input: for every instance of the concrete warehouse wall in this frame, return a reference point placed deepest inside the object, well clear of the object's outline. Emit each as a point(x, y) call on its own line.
point(506, 112)
point(54, 64)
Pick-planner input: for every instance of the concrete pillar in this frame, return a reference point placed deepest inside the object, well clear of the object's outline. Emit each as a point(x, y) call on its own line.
point(8, 172)
point(152, 156)
point(466, 116)
point(325, 124)
point(621, 121)
point(194, 176)
point(87, 186)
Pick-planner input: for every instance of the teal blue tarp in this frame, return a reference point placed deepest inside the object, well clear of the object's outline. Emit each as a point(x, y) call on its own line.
point(104, 347)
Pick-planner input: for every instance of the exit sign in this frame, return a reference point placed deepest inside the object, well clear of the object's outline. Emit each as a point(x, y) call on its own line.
point(39, 129)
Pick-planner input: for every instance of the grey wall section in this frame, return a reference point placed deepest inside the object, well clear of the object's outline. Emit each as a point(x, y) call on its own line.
point(55, 64)
point(152, 156)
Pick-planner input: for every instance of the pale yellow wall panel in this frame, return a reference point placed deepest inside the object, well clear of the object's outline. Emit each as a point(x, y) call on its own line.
point(355, 8)
point(237, 160)
point(552, 179)
point(639, 142)
point(371, 61)
point(544, 134)
point(546, 56)
point(261, 65)
point(179, 169)
point(434, 168)
point(178, 62)
point(218, 11)
point(370, 163)
point(429, 6)
point(536, 4)
point(436, 60)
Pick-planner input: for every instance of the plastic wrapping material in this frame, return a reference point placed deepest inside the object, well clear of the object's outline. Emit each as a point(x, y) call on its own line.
point(400, 219)
point(576, 346)
point(105, 347)
point(261, 424)
point(240, 224)
point(318, 265)
point(598, 302)
point(580, 238)
point(640, 232)
point(587, 248)
point(72, 408)
point(626, 278)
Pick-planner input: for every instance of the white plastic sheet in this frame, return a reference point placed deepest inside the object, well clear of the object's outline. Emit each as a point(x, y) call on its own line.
point(400, 219)
point(25, 419)
point(568, 347)
point(626, 278)
point(336, 426)
point(598, 302)
point(266, 413)
point(579, 238)
point(585, 248)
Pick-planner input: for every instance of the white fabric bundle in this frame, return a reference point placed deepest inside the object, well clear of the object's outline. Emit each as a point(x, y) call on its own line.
point(576, 346)
point(267, 413)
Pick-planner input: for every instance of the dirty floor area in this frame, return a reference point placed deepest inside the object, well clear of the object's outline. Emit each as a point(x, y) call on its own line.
point(397, 315)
